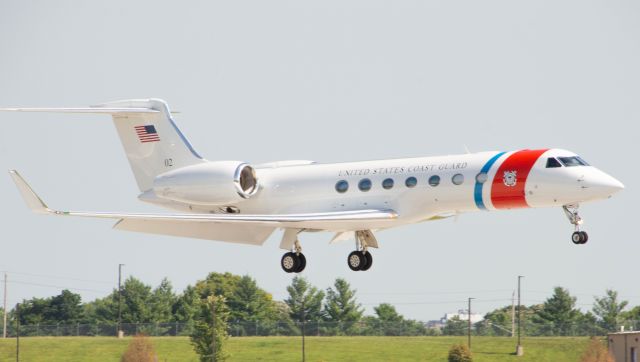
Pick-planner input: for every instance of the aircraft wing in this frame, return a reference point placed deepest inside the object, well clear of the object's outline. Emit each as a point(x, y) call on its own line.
point(239, 228)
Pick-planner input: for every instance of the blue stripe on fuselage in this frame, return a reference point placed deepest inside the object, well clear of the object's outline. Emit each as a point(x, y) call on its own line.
point(477, 191)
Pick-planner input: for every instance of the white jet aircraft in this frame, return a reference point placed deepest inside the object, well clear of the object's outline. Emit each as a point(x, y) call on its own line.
point(241, 203)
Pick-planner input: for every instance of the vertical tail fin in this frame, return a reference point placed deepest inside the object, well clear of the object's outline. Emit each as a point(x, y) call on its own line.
point(151, 140)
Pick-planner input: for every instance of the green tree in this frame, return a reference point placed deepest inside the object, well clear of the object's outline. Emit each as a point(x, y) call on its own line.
point(495, 323)
point(341, 307)
point(250, 303)
point(455, 327)
point(186, 308)
point(558, 315)
point(220, 284)
point(137, 302)
point(631, 318)
point(304, 301)
point(65, 307)
point(608, 310)
point(210, 330)
point(391, 323)
point(163, 300)
point(387, 313)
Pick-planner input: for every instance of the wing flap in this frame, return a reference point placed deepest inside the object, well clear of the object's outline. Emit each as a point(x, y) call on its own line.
point(253, 235)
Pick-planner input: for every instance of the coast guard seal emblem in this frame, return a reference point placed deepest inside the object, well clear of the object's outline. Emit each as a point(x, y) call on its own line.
point(510, 178)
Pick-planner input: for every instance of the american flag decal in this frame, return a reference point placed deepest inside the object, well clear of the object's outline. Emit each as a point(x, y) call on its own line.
point(147, 133)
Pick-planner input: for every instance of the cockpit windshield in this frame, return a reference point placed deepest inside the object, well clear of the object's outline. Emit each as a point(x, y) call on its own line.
point(553, 163)
point(573, 161)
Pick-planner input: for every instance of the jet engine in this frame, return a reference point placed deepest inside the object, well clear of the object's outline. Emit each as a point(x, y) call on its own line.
point(211, 183)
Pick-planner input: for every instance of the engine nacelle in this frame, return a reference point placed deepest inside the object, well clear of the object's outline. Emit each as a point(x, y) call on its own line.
point(211, 183)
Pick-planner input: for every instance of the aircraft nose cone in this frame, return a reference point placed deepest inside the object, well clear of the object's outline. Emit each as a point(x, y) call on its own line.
point(604, 184)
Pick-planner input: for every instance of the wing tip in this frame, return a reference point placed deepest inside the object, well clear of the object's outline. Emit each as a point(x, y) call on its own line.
point(33, 201)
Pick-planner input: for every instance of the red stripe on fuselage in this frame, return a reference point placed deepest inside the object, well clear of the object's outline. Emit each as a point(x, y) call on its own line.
point(504, 196)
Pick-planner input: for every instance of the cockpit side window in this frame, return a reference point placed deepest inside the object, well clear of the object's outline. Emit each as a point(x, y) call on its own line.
point(552, 163)
point(572, 161)
point(584, 163)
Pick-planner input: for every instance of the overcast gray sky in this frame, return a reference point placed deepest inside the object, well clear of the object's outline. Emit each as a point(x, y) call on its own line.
point(327, 81)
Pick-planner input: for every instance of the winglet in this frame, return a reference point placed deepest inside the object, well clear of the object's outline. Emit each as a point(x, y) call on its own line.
point(33, 201)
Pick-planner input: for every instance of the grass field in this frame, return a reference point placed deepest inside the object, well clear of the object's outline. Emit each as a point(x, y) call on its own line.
point(485, 349)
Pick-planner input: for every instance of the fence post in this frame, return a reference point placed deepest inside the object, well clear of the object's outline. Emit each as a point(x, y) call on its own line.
point(78, 330)
point(58, 329)
point(257, 328)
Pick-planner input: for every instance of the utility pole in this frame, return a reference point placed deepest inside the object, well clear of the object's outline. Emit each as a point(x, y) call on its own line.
point(519, 349)
point(213, 324)
point(303, 318)
point(469, 321)
point(513, 314)
point(4, 310)
point(120, 332)
point(18, 332)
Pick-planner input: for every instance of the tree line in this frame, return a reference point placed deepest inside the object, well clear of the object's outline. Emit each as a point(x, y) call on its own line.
point(250, 310)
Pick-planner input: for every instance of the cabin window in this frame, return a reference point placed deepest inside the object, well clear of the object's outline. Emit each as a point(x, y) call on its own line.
point(387, 183)
point(411, 182)
point(364, 185)
point(342, 186)
point(552, 163)
point(482, 177)
point(572, 161)
point(457, 179)
point(434, 180)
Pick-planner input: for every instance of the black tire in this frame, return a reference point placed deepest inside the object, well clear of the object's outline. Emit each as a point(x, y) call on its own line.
point(585, 237)
point(290, 262)
point(302, 261)
point(369, 261)
point(576, 237)
point(355, 260)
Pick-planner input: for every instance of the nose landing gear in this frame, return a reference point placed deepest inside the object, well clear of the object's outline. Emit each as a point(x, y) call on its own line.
point(578, 237)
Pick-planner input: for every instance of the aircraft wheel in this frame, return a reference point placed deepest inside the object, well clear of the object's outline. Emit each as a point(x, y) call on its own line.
point(576, 237)
point(355, 260)
point(302, 262)
point(579, 237)
point(585, 237)
point(290, 262)
point(368, 261)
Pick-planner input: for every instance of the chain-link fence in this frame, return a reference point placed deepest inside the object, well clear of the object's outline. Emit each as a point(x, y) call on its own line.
point(372, 327)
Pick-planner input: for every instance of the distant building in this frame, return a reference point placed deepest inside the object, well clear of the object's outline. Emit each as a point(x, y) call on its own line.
point(624, 346)
point(435, 324)
point(463, 314)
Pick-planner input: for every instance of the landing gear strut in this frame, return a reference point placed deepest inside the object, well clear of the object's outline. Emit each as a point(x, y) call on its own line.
point(294, 261)
point(360, 259)
point(578, 237)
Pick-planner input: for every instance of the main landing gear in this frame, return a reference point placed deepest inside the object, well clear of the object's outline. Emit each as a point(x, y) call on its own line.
point(294, 261)
point(578, 237)
point(360, 259)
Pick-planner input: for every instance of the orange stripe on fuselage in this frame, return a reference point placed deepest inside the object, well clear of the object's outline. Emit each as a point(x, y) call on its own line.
point(510, 197)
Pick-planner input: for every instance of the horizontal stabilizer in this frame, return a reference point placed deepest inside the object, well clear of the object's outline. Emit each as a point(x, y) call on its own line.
point(89, 110)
